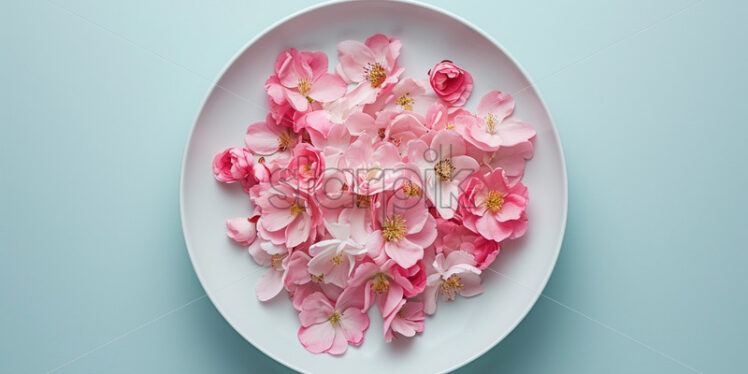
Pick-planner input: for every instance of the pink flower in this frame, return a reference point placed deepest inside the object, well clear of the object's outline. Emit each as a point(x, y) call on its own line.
point(276, 259)
point(328, 327)
point(405, 320)
point(372, 65)
point(512, 159)
point(451, 83)
point(302, 78)
point(242, 230)
point(490, 128)
point(287, 217)
point(444, 166)
point(454, 275)
point(232, 165)
point(404, 229)
point(386, 284)
point(335, 258)
point(270, 140)
point(410, 95)
point(493, 207)
point(453, 236)
point(371, 168)
point(300, 283)
point(306, 167)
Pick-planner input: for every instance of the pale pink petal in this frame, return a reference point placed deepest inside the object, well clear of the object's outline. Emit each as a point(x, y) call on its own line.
point(260, 139)
point(471, 283)
point(404, 252)
point(317, 338)
point(269, 284)
point(327, 88)
point(354, 323)
point(339, 343)
point(499, 104)
point(387, 303)
point(513, 132)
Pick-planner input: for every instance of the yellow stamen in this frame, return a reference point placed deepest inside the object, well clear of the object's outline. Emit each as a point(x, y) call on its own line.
point(444, 170)
point(450, 126)
point(375, 74)
point(317, 278)
point(363, 201)
point(277, 260)
point(380, 284)
point(284, 140)
point(334, 318)
point(491, 123)
point(451, 286)
point(296, 208)
point(393, 228)
point(337, 260)
point(304, 85)
point(494, 201)
point(411, 189)
point(406, 101)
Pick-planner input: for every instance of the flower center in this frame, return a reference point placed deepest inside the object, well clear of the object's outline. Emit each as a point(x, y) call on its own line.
point(304, 85)
point(380, 284)
point(444, 170)
point(451, 286)
point(381, 133)
point(494, 201)
point(393, 228)
point(411, 189)
point(406, 101)
point(491, 123)
point(363, 201)
point(296, 208)
point(317, 278)
point(373, 171)
point(375, 74)
point(334, 318)
point(277, 260)
point(284, 141)
point(337, 260)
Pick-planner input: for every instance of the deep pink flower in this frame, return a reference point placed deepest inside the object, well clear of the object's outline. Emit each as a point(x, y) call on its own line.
point(405, 320)
point(242, 230)
point(493, 207)
point(386, 284)
point(232, 165)
point(453, 275)
point(451, 83)
point(302, 78)
point(453, 236)
point(404, 229)
point(306, 168)
point(328, 327)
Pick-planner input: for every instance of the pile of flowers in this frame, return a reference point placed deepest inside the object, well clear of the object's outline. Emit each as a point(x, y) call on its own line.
point(370, 188)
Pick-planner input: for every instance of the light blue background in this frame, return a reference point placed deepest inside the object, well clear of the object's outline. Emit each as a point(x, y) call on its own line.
point(98, 98)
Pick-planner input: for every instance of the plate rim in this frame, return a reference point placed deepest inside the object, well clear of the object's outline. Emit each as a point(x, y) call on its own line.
point(301, 12)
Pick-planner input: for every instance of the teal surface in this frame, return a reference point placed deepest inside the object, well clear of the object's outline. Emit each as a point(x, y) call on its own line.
point(98, 98)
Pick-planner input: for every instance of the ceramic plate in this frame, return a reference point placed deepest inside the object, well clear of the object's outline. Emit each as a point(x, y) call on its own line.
point(459, 331)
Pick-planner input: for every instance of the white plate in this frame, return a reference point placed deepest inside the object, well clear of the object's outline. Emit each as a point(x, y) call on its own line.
point(460, 331)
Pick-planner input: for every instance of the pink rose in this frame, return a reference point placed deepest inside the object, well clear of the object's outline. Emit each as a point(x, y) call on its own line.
point(242, 230)
point(451, 83)
point(232, 165)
